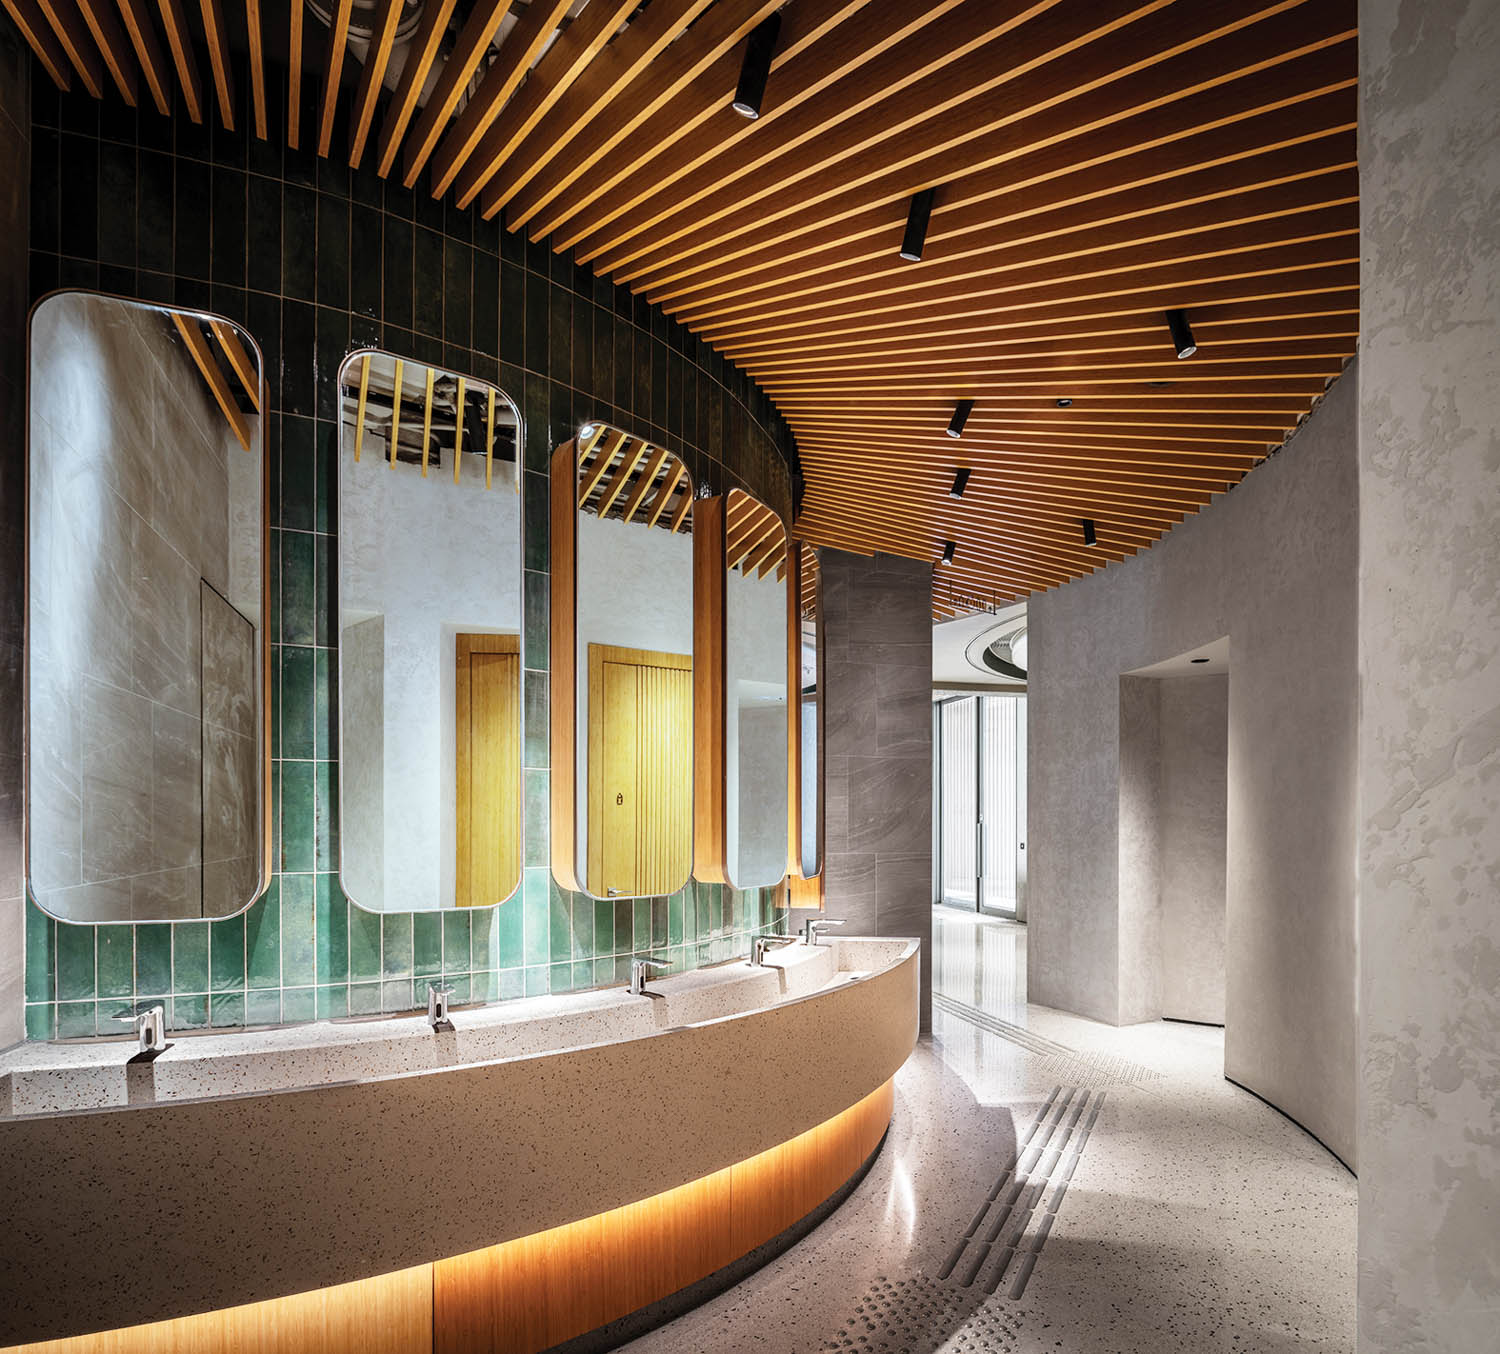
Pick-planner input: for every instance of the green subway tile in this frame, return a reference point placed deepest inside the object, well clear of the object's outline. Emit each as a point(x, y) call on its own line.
point(702, 911)
point(538, 908)
point(273, 570)
point(299, 931)
point(458, 935)
point(642, 928)
point(41, 1020)
point(484, 938)
point(463, 991)
point(263, 1008)
point(537, 981)
point(75, 961)
point(41, 954)
point(561, 978)
point(395, 945)
point(622, 968)
point(484, 985)
point(427, 944)
point(190, 1012)
point(560, 923)
point(153, 959)
point(324, 570)
point(583, 926)
point(604, 971)
point(510, 946)
point(325, 677)
point(116, 961)
point(226, 954)
point(263, 939)
point(75, 1020)
point(396, 995)
point(534, 488)
point(364, 999)
point(674, 919)
point(512, 983)
point(604, 926)
point(583, 974)
point(689, 896)
point(298, 809)
point(536, 720)
point(190, 956)
point(364, 944)
point(298, 588)
point(226, 1008)
point(333, 1001)
point(326, 517)
point(624, 926)
point(325, 817)
point(538, 810)
point(333, 931)
point(299, 1004)
point(298, 468)
point(298, 703)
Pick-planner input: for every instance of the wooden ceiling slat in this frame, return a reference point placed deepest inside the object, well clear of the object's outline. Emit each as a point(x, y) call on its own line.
point(716, 33)
point(103, 23)
point(671, 144)
point(617, 482)
point(1301, 283)
point(255, 39)
point(333, 71)
point(372, 80)
point(42, 40)
point(468, 50)
point(1316, 240)
point(553, 76)
point(216, 34)
point(609, 447)
point(77, 42)
point(645, 483)
point(294, 78)
point(1141, 70)
point(419, 58)
point(155, 69)
point(1022, 452)
point(520, 51)
point(611, 72)
point(1311, 95)
point(674, 477)
point(239, 359)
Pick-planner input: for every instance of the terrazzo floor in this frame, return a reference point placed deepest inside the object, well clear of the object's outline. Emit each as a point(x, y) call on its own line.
point(1153, 1206)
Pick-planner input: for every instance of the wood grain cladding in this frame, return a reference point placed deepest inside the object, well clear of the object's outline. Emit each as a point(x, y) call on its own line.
point(535, 1292)
point(1094, 164)
point(526, 1295)
point(710, 839)
point(562, 691)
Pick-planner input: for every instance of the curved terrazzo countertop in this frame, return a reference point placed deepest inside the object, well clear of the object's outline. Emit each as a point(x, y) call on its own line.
point(248, 1166)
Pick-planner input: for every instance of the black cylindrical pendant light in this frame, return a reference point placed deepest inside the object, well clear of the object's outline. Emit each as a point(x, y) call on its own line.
point(917, 217)
point(755, 69)
point(960, 417)
point(1088, 531)
point(950, 548)
point(960, 483)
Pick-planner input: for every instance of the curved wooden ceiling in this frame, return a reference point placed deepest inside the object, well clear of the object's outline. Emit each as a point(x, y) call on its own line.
point(1096, 163)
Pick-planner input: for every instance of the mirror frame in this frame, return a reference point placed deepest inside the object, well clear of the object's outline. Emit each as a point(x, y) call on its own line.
point(804, 890)
point(263, 695)
point(337, 622)
point(563, 515)
point(711, 694)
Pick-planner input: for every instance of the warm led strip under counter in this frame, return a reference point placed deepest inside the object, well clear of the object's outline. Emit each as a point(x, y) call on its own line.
point(528, 1294)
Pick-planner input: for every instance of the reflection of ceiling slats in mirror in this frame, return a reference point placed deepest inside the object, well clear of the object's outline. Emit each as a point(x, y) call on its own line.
point(755, 539)
point(419, 415)
point(626, 479)
point(227, 369)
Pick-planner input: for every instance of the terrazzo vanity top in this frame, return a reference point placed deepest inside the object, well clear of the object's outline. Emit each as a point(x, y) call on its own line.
point(63, 1077)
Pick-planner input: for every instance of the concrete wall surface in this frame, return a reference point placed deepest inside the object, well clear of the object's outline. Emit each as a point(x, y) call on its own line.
point(1429, 850)
point(1272, 566)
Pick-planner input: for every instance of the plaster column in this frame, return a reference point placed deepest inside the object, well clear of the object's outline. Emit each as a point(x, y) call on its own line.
point(1429, 757)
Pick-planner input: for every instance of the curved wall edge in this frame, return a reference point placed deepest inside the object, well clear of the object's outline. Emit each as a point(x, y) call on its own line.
point(1272, 565)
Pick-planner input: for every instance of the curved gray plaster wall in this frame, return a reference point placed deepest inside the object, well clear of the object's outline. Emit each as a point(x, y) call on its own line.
point(1271, 565)
point(1429, 857)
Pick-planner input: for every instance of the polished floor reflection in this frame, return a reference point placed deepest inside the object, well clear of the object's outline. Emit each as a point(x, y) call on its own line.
point(1052, 1184)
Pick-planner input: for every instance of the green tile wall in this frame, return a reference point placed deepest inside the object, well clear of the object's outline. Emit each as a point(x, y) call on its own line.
point(314, 261)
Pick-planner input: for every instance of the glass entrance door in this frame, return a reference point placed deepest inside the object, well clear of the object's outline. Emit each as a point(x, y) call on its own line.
point(981, 807)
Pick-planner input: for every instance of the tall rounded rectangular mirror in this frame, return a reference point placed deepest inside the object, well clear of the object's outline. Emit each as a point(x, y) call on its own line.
point(147, 657)
point(805, 743)
point(430, 660)
point(622, 666)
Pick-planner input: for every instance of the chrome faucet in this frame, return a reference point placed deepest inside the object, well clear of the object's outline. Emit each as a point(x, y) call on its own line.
point(813, 928)
point(437, 1007)
point(760, 944)
point(638, 973)
point(150, 1029)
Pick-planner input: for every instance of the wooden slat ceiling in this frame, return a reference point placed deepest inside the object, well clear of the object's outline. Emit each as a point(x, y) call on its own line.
point(1095, 163)
point(628, 480)
point(754, 537)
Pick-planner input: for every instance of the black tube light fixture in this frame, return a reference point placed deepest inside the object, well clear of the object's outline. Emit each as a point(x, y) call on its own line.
point(755, 69)
point(1182, 333)
point(1089, 536)
point(917, 217)
point(960, 483)
point(960, 417)
point(950, 548)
